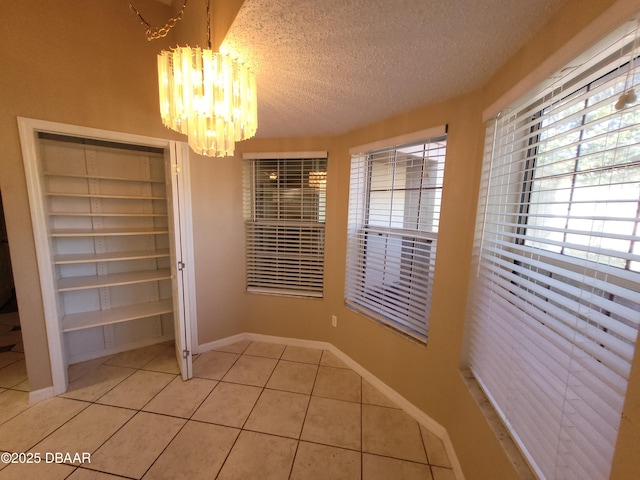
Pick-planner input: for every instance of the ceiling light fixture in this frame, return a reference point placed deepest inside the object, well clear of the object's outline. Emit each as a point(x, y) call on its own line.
point(209, 96)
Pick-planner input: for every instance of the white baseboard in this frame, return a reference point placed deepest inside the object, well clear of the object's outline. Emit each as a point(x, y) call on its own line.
point(413, 411)
point(42, 394)
point(223, 342)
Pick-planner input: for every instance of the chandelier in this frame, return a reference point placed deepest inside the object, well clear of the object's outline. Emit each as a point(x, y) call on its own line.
point(209, 96)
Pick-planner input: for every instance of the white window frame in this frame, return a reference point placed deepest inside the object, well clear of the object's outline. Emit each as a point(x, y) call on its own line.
point(392, 232)
point(284, 239)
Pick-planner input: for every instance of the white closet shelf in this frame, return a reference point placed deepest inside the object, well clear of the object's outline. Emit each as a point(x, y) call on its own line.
point(79, 321)
point(104, 177)
point(107, 232)
point(68, 284)
point(105, 195)
point(100, 214)
point(71, 258)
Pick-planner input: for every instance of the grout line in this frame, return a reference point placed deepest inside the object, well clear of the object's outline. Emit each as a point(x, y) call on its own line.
point(165, 447)
point(241, 429)
point(424, 445)
point(304, 419)
point(263, 387)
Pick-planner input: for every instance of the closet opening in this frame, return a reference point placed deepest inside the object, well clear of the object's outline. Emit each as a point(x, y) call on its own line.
point(112, 223)
point(13, 373)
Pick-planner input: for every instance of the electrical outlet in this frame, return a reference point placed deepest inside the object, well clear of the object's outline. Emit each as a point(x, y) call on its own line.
point(334, 321)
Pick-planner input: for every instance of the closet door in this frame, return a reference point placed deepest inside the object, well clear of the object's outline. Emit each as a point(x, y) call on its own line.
point(110, 231)
point(177, 175)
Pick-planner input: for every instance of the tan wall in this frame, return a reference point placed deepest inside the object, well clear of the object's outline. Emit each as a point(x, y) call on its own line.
point(78, 62)
point(87, 62)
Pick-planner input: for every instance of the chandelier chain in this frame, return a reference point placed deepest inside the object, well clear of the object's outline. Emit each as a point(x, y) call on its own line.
point(208, 24)
point(152, 32)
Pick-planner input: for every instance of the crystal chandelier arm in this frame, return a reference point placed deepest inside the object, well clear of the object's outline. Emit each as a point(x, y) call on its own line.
point(154, 33)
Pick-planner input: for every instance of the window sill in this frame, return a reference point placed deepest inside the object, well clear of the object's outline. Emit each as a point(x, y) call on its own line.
point(520, 464)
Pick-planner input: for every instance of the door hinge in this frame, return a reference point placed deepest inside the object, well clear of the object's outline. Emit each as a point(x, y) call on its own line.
point(186, 353)
point(176, 169)
point(181, 266)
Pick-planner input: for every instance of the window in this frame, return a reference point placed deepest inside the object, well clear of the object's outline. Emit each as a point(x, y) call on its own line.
point(394, 210)
point(554, 307)
point(284, 211)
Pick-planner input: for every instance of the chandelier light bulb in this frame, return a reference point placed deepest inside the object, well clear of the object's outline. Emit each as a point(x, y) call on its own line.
point(208, 96)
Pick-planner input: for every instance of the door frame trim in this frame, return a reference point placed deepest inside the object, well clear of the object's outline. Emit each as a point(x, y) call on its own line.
point(28, 129)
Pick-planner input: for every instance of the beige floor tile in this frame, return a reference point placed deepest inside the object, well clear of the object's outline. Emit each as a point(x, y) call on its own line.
point(384, 468)
point(42, 471)
point(372, 396)
point(132, 450)
point(29, 427)
point(238, 347)
point(436, 452)
point(95, 383)
point(180, 398)
point(10, 318)
point(278, 413)
point(84, 474)
point(165, 362)
point(86, 431)
point(13, 374)
point(137, 390)
point(293, 377)
point(78, 370)
point(338, 383)
point(7, 358)
point(250, 370)
point(12, 403)
point(332, 422)
point(256, 455)
point(138, 357)
point(196, 453)
point(321, 462)
point(213, 365)
point(302, 355)
point(391, 432)
point(23, 386)
point(330, 360)
point(228, 404)
point(268, 350)
point(441, 473)
point(10, 338)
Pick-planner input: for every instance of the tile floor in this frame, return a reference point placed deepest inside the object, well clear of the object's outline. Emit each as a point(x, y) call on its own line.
point(252, 411)
point(12, 364)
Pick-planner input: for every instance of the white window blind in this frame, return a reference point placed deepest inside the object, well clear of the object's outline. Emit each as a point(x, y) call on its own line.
point(394, 210)
point(284, 211)
point(554, 307)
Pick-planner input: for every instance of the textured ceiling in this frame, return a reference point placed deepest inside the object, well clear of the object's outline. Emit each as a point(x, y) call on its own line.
point(325, 67)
